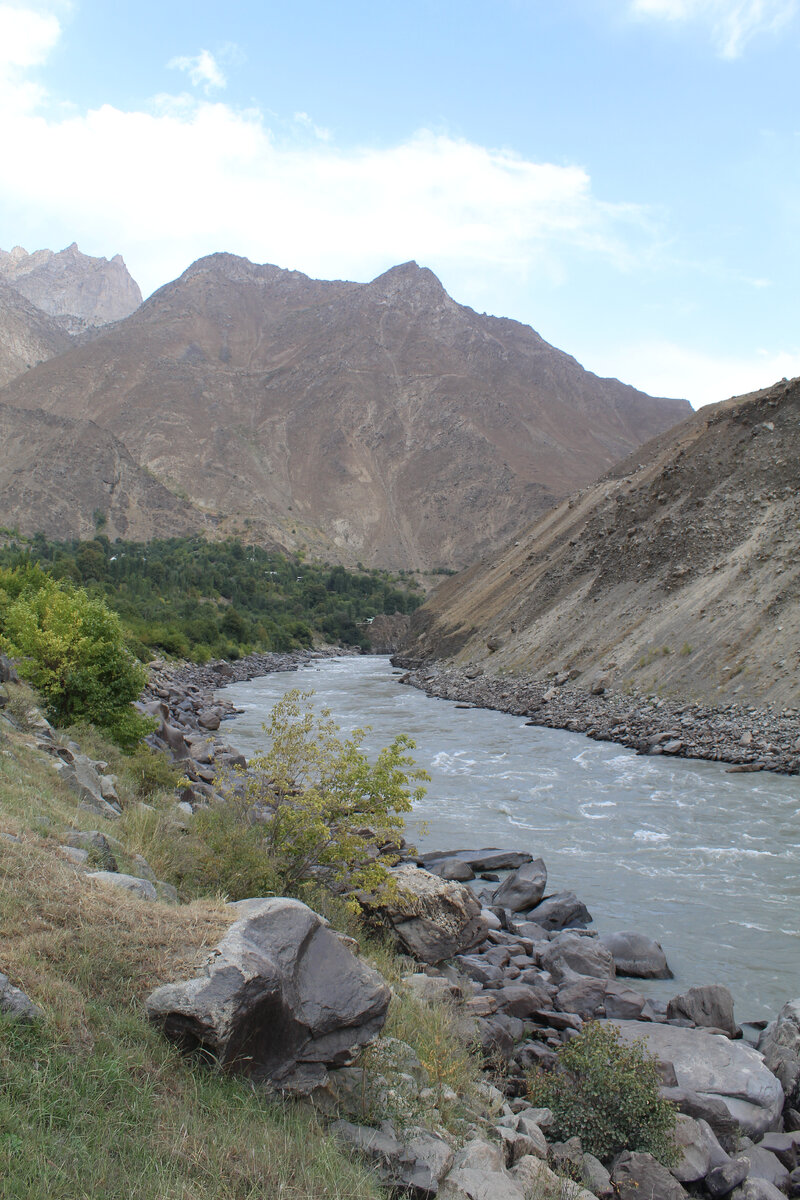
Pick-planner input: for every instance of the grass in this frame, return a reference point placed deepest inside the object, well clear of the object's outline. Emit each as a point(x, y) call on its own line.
point(93, 1101)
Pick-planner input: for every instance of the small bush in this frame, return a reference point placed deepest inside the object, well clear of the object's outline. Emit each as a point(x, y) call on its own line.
point(606, 1093)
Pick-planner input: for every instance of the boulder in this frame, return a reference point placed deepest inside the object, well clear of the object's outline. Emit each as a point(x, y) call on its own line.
point(757, 1189)
point(720, 1181)
point(713, 1065)
point(636, 1176)
point(569, 954)
point(703, 1108)
point(623, 1003)
point(280, 999)
point(7, 672)
point(561, 911)
point(523, 888)
point(699, 1149)
point(780, 1045)
point(482, 860)
point(142, 888)
point(710, 1006)
point(636, 955)
point(417, 1165)
point(583, 995)
point(431, 918)
point(765, 1165)
point(97, 845)
point(470, 1183)
point(15, 1004)
point(454, 869)
point(81, 776)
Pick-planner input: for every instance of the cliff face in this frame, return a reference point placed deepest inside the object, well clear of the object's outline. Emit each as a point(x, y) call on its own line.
point(679, 571)
point(380, 422)
point(62, 477)
point(83, 291)
point(28, 336)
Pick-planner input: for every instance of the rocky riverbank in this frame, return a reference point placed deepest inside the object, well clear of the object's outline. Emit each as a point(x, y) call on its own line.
point(750, 739)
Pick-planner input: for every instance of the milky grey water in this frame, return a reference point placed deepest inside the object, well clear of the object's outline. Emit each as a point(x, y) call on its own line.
point(707, 863)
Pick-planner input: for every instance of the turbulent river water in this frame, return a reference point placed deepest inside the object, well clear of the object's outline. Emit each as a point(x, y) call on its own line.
point(707, 863)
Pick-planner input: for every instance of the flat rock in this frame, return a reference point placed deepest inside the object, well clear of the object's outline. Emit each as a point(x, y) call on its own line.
point(483, 860)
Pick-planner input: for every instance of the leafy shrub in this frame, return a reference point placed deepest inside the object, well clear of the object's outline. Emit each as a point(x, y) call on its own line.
point(606, 1093)
point(72, 650)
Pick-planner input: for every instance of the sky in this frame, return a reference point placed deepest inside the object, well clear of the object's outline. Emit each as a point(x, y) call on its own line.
point(623, 175)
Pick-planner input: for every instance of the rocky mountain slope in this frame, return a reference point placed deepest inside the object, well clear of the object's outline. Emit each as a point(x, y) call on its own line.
point(83, 292)
point(28, 335)
point(379, 422)
point(73, 475)
point(678, 572)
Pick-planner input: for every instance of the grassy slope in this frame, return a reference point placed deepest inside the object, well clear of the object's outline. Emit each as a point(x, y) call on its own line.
point(93, 1102)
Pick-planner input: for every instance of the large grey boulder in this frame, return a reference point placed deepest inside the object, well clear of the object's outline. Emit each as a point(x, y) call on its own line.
point(523, 888)
point(280, 999)
point(699, 1149)
point(431, 918)
point(710, 1006)
point(636, 955)
point(570, 954)
point(780, 1045)
point(713, 1065)
point(561, 911)
point(641, 1177)
point(142, 888)
point(417, 1164)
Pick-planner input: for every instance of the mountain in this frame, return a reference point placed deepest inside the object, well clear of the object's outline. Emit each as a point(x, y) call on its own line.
point(380, 422)
point(81, 291)
point(678, 572)
point(66, 477)
point(28, 336)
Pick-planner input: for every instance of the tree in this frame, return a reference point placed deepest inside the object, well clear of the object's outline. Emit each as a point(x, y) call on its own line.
point(71, 648)
point(322, 803)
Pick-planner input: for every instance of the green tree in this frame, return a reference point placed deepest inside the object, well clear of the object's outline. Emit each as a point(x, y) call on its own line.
point(323, 805)
point(72, 649)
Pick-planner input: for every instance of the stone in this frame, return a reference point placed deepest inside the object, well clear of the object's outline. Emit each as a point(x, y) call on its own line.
point(623, 1003)
point(521, 1000)
point(523, 888)
point(561, 911)
point(15, 1004)
point(636, 1176)
point(636, 955)
point(598, 1180)
point(536, 1179)
point(480, 1155)
point(142, 888)
point(98, 846)
point(7, 672)
point(467, 1183)
point(416, 1166)
point(534, 1134)
point(280, 1000)
point(757, 1189)
point(569, 954)
point(765, 1165)
point(452, 868)
point(720, 1181)
point(76, 856)
point(582, 995)
point(700, 1151)
point(784, 1146)
point(431, 988)
point(710, 1006)
point(780, 1045)
point(703, 1108)
point(431, 918)
point(713, 1065)
point(482, 860)
point(82, 778)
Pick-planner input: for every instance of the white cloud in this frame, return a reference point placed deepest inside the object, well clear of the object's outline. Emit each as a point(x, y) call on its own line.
point(732, 23)
point(188, 177)
point(26, 38)
point(665, 368)
point(203, 70)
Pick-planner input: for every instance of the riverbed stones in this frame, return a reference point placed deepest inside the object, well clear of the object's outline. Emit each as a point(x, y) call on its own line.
point(699, 1149)
point(710, 1007)
point(523, 888)
point(636, 955)
point(570, 954)
point(431, 918)
point(280, 999)
point(490, 859)
point(713, 1065)
point(780, 1045)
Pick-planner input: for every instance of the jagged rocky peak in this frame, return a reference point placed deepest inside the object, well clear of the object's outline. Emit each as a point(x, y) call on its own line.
point(77, 289)
point(409, 282)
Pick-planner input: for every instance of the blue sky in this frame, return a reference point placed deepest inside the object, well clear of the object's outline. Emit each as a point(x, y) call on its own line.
point(620, 174)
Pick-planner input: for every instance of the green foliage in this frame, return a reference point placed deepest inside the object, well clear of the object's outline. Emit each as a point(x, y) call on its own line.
point(606, 1093)
point(71, 648)
point(196, 599)
point(325, 804)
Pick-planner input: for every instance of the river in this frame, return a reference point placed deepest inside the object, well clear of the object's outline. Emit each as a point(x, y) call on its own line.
point(706, 862)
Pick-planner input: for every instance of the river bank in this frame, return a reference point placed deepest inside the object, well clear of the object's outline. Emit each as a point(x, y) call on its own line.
point(750, 739)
